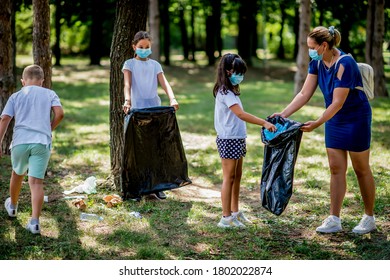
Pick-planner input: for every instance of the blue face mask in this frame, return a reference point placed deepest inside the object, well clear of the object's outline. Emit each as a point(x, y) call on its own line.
point(235, 79)
point(143, 53)
point(314, 54)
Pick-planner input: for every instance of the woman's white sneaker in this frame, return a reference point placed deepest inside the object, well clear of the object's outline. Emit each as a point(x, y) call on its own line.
point(366, 225)
point(331, 224)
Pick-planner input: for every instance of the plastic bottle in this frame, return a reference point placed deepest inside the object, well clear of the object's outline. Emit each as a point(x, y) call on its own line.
point(90, 217)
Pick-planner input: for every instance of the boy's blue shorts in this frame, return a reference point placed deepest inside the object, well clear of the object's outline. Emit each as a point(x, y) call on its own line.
point(34, 157)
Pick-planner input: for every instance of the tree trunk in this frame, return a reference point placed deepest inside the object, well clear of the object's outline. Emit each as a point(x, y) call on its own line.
point(302, 57)
point(57, 26)
point(165, 18)
point(246, 26)
point(96, 32)
point(41, 38)
point(154, 28)
point(183, 32)
point(7, 81)
point(131, 16)
point(374, 44)
point(281, 52)
point(193, 45)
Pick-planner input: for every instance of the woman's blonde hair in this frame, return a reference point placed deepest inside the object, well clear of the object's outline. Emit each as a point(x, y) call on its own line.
point(322, 34)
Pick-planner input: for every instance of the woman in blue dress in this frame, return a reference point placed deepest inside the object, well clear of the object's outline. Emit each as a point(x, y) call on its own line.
point(347, 121)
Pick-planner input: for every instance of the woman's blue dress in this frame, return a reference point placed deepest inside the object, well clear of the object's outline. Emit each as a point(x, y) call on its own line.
point(350, 128)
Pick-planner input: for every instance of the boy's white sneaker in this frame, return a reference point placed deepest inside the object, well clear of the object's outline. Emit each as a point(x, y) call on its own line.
point(241, 218)
point(366, 225)
point(330, 225)
point(7, 205)
point(230, 222)
point(34, 229)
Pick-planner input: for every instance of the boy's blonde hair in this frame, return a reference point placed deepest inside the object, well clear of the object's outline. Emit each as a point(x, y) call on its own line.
point(33, 72)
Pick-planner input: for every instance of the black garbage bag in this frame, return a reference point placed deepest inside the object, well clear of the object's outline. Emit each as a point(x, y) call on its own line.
point(153, 158)
point(280, 154)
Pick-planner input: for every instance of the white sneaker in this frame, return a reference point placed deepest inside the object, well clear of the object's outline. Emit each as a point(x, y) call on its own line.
point(34, 229)
point(241, 218)
point(7, 205)
point(366, 225)
point(230, 222)
point(330, 225)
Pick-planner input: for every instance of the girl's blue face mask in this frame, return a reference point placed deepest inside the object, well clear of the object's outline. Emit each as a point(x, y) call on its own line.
point(235, 79)
point(314, 54)
point(143, 53)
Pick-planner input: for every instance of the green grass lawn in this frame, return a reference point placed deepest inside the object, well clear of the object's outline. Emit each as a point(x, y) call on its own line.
point(183, 227)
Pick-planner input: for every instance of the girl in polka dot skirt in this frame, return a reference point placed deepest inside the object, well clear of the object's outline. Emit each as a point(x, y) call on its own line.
point(230, 124)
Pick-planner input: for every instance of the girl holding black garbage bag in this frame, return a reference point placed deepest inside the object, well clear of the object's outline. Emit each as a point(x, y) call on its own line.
point(229, 122)
point(347, 121)
point(141, 75)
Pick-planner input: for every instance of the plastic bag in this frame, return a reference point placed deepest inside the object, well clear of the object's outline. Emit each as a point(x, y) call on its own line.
point(153, 158)
point(280, 154)
point(89, 186)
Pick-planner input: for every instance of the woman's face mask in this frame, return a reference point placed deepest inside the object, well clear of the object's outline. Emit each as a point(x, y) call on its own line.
point(235, 79)
point(314, 54)
point(143, 53)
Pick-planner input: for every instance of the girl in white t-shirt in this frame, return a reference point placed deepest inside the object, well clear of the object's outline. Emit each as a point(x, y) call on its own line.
point(230, 124)
point(141, 75)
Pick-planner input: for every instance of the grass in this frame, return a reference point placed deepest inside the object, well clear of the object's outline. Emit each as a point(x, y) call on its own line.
point(184, 226)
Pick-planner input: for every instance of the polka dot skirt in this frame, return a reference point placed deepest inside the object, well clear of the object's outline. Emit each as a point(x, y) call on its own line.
point(231, 148)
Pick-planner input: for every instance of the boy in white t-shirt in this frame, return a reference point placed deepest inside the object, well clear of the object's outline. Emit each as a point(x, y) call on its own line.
point(31, 142)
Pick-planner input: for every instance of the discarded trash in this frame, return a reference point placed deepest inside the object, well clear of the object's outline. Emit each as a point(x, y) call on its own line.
point(112, 200)
point(90, 217)
point(45, 198)
point(79, 203)
point(89, 186)
point(135, 215)
point(74, 197)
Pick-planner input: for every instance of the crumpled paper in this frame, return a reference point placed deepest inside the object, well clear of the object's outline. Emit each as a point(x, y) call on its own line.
point(79, 203)
point(112, 200)
point(89, 186)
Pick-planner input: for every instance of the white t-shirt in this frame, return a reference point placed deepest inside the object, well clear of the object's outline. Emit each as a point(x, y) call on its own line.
point(31, 109)
point(143, 82)
point(226, 123)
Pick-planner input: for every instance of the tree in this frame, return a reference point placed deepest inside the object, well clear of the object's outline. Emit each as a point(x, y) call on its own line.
point(213, 30)
point(96, 31)
point(165, 19)
point(57, 27)
point(154, 28)
point(374, 43)
point(247, 28)
point(7, 81)
point(131, 16)
point(41, 38)
point(302, 58)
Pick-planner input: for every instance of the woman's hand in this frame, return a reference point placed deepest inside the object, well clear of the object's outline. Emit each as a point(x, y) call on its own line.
point(309, 126)
point(277, 115)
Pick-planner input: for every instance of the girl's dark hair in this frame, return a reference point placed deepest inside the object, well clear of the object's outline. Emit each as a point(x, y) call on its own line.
point(227, 63)
point(141, 35)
